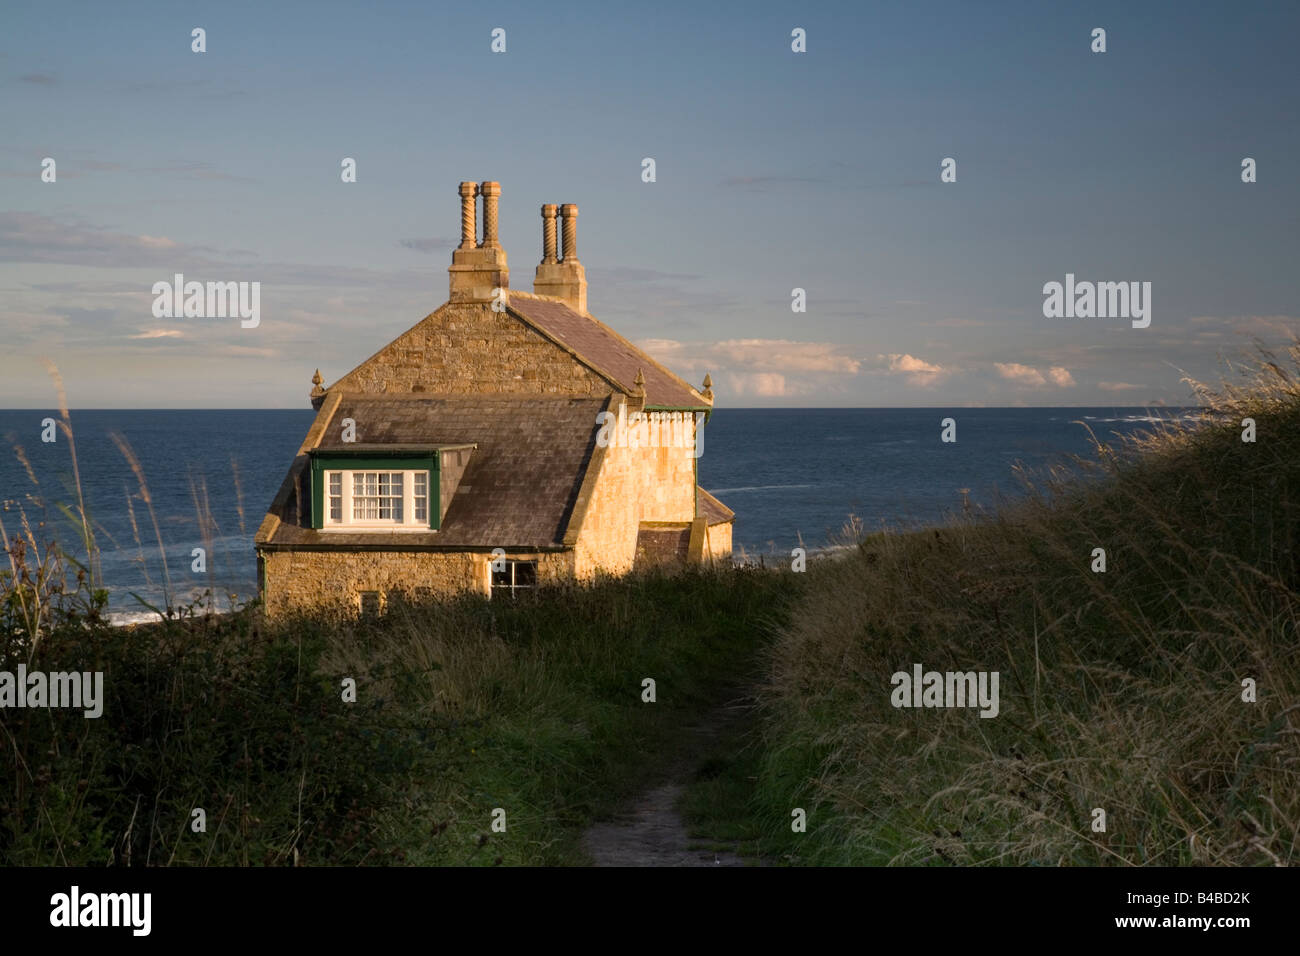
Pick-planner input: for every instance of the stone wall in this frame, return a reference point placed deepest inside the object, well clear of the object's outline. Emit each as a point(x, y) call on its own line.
point(717, 544)
point(333, 580)
point(467, 349)
point(634, 485)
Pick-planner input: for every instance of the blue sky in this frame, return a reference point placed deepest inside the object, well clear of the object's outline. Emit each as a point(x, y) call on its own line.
point(775, 170)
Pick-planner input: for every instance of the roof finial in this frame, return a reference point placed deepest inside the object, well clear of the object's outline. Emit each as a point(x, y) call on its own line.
point(317, 382)
point(640, 382)
point(708, 387)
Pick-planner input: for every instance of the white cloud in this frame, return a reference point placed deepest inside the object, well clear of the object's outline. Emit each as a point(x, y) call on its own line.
point(914, 370)
point(1060, 377)
point(1020, 374)
point(1117, 386)
point(910, 363)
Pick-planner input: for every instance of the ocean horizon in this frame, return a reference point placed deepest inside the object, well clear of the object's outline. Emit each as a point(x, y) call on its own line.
point(796, 477)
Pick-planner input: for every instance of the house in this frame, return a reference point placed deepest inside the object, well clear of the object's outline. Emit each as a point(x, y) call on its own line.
point(507, 440)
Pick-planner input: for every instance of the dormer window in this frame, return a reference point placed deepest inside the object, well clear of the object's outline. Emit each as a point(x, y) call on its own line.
point(375, 490)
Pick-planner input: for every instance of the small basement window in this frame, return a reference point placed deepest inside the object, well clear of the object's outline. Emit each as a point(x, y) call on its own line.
point(513, 577)
point(369, 603)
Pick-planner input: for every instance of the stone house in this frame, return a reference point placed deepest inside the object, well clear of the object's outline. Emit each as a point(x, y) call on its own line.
point(507, 440)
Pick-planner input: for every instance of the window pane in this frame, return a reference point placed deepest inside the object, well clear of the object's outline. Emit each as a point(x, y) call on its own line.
point(514, 577)
point(421, 489)
point(336, 495)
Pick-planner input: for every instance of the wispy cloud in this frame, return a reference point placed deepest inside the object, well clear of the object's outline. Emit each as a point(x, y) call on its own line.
point(759, 384)
point(33, 238)
point(30, 237)
point(754, 355)
point(159, 334)
point(771, 354)
point(40, 79)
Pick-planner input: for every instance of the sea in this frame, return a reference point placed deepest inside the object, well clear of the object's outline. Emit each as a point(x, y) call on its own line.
point(810, 478)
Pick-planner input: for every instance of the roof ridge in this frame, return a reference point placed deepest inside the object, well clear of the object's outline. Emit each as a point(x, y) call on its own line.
point(477, 397)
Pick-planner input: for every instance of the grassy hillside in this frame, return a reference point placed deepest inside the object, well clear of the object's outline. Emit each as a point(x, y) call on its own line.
point(462, 707)
point(1119, 690)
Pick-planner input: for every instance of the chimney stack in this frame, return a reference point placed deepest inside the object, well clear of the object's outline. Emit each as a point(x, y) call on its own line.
point(564, 279)
point(478, 268)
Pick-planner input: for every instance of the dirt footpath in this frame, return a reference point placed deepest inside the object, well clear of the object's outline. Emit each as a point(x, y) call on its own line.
point(649, 831)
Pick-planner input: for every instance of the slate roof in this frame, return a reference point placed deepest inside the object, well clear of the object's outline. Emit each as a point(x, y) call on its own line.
point(711, 509)
point(518, 490)
point(598, 345)
point(660, 546)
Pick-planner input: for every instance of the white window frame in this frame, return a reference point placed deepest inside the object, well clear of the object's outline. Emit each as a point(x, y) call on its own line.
point(348, 523)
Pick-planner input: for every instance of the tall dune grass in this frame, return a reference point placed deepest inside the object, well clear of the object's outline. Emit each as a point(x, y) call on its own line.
point(1121, 691)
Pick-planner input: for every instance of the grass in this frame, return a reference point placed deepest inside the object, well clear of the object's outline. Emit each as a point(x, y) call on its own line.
point(463, 707)
point(1121, 691)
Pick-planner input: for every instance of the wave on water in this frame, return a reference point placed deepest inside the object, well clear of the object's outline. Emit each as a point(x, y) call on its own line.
point(130, 618)
point(732, 491)
point(1181, 417)
point(1153, 419)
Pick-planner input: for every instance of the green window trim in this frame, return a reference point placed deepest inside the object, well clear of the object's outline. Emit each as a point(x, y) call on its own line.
point(373, 461)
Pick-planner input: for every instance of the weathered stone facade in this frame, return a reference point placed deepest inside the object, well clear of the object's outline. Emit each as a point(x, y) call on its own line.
point(633, 485)
point(468, 349)
point(717, 543)
point(333, 581)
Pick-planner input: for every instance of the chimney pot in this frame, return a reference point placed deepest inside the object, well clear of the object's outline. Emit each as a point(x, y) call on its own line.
point(467, 193)
point(548, 233)
point(491, 192)
point(569, 212)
